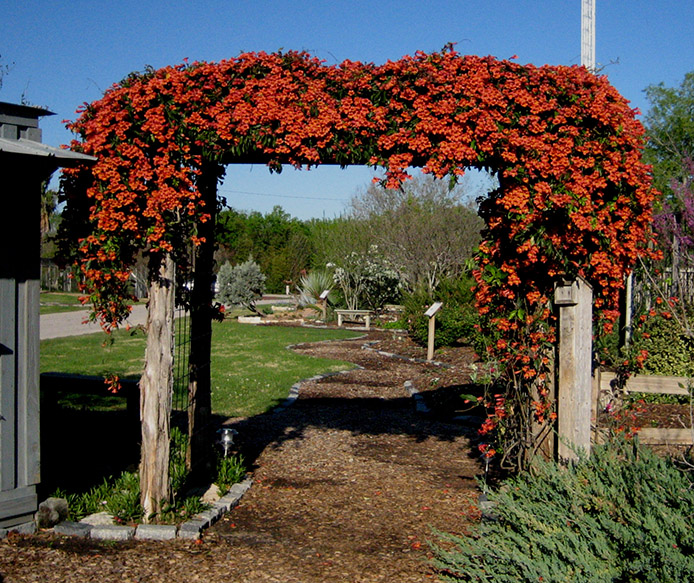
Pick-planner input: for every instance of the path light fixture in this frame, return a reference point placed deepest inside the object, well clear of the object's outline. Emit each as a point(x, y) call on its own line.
point(226, 439)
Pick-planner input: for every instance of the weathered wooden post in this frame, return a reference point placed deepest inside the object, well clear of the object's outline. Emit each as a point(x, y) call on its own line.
point(574, 390)
point(431, 314)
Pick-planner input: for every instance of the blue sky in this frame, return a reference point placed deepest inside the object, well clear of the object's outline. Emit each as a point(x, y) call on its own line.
point(62, 53)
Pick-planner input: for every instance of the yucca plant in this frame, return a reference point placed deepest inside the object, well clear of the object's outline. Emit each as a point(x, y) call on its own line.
point(313, 284)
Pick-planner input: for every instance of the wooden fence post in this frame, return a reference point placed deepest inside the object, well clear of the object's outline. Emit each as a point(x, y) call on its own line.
point(574, 391)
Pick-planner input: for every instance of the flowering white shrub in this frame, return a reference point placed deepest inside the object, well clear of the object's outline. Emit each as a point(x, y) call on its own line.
point(367, 280)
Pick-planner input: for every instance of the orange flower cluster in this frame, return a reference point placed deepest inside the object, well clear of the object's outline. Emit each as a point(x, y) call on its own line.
point(574, 197)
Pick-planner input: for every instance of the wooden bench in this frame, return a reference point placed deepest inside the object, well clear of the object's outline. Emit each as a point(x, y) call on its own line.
point(352, 314)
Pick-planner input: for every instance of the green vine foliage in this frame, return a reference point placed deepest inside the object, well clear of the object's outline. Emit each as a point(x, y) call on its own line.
point(624, 514)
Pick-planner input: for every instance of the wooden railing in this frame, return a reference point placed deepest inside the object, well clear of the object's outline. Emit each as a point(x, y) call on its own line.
point(652, 384)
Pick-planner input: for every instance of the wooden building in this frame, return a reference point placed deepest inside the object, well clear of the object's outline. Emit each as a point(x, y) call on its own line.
point(25, 163)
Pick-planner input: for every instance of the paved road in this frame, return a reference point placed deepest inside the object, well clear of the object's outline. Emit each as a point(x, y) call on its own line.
point(72, 323)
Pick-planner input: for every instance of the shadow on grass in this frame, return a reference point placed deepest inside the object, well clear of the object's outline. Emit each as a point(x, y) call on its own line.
point(83, 445)
point(87, 433)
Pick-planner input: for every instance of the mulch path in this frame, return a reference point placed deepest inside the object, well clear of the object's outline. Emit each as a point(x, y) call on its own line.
point(349, 483)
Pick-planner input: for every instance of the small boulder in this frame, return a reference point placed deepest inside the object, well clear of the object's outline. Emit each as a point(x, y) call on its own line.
point(51, 511)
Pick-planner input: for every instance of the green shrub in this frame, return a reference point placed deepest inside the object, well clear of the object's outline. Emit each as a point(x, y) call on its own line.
point(242, 284)
point(178, 473)
point(313, 284)
point(669, 349)
point(123, 500)
point(230, 470)
point(120, 496)
point(456, 319)
point(624, 514)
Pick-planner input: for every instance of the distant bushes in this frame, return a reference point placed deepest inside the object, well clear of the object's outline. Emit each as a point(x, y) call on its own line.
point(669, 348)
point(454, 322)
point(242, 284)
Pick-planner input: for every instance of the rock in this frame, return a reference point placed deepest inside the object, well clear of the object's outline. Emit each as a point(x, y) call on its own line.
point(112, 532)
point(191, 530)
point(211, 495)
point(68, 528)
point(155, 532)
point(98, 519)
point(51, 511)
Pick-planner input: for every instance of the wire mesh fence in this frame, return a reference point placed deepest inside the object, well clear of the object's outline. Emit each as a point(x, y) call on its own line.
point(181, 371)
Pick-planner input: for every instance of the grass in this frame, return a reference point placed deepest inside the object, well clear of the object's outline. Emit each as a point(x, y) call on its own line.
point(122, 353)
point(252, 371)
point(55, 302)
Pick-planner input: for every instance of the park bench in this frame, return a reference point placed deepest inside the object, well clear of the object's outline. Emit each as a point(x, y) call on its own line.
point(354, 315)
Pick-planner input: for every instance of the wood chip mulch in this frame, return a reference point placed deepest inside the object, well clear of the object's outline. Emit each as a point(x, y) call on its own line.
point(350, 483)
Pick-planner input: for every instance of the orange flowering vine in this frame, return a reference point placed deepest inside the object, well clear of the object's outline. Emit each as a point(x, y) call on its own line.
point(574, 197)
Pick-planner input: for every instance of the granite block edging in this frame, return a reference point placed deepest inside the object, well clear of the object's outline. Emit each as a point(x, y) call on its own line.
point(23, 528)
point(189, 530)
point(419, 403)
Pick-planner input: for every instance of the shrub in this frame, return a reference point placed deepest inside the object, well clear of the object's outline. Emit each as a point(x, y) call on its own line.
point(120, 497)
point(230, 470)
point(123, 501)
point(624, 514)
point(456, 319)
point(313, 284)
point(669, 349)
point(367, 280)
point(242, 284)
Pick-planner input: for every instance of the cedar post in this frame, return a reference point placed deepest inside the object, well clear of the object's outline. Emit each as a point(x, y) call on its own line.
point(156, 386)
point(200, 431)
point(574, 391)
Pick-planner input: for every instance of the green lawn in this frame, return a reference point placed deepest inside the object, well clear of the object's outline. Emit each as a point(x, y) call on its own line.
point(252, 370)
point(54, 302)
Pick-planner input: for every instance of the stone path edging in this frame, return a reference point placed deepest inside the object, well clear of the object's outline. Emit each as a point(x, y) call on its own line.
point(367, 346)
point(190, 530)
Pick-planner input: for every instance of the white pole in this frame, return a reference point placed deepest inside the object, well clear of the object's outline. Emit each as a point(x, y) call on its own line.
point(588, 34)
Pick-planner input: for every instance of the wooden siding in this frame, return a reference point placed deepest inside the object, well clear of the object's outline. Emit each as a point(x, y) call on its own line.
point(19, 340)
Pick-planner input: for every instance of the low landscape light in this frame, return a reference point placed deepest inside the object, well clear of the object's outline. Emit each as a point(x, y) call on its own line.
point(226, 439)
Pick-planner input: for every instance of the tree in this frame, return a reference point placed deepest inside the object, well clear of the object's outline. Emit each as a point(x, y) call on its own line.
point(367, 280)
point(49, 203)
point(670, 150)
point(670, 127)
point(278, 242)
point(4, 70)
point(423, 228)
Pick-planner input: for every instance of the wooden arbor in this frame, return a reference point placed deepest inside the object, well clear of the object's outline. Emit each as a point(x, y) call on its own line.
point(25, 163)
point(574, 197)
